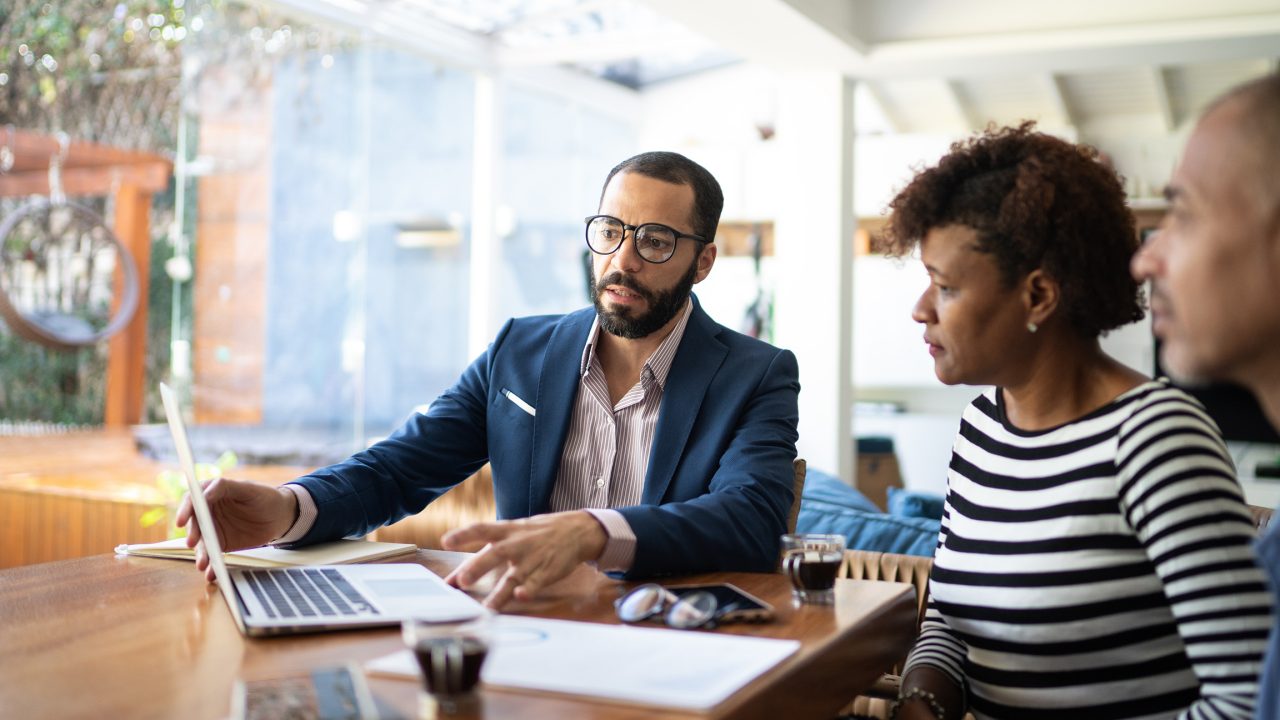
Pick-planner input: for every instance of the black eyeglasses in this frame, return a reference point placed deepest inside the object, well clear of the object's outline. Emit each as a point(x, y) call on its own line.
point(655, 242)
point(683, 612)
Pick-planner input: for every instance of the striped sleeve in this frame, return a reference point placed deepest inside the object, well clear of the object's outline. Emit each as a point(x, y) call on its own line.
point(1178, 493)
point(938, 646)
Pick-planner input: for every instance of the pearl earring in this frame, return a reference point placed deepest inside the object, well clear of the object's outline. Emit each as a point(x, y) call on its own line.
point(1032, 327)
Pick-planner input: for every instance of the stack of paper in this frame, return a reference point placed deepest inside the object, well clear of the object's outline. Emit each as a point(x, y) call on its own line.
point(340, 552)
point(672, 668)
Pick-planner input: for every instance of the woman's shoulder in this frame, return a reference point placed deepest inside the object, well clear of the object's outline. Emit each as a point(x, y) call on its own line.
point(1160, 399)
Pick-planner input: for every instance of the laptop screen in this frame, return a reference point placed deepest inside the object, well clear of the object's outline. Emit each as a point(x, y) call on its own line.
point(203, 518)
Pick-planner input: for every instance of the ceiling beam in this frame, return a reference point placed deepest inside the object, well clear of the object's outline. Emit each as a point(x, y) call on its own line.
point(960, 104)
point(593, 48)
point(452, 47)
point(1056, 88)
point(567, 12)
point(1060, 51)
point(778, 34)
point(443, 43)
point(887, 107)
point(1160, 84)
point(821, 33)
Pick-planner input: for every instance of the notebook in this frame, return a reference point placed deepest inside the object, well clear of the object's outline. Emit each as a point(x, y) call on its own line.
point(338, 552)
point(280, 601)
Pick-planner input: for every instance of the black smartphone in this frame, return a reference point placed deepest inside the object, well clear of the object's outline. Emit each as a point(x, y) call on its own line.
point(732, 602)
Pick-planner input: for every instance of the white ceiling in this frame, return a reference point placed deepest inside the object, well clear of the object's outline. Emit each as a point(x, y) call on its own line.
point(946, 66)
point(927, 65)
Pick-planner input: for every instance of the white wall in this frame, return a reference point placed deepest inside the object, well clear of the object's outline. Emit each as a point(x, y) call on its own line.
point(714, 118)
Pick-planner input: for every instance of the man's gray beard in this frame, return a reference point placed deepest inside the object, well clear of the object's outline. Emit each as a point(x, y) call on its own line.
point(662, 305)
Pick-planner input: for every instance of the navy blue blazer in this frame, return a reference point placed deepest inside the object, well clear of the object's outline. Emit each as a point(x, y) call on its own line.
point(719, 483)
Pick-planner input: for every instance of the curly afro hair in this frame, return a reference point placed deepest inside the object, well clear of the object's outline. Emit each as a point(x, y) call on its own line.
point(1035, 201)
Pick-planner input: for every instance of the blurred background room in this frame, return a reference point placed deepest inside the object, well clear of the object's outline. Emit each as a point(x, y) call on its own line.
point(309, 216)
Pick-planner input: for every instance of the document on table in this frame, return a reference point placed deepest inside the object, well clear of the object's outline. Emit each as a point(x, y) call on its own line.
point(654, 666)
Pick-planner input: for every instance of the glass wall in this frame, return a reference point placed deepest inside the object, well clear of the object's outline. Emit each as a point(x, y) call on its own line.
point(555, 156)
point(312, 157)
point(311, 261)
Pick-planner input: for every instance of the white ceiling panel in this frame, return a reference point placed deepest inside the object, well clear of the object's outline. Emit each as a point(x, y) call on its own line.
point(881, 21)
point(1009, 99)
point(1192, 87)
point(1129, 91)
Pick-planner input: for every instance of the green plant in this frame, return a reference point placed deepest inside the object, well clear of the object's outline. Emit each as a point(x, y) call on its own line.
point(173, 486)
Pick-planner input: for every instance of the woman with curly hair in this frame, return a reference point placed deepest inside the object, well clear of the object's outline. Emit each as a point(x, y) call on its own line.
point(1094, 558)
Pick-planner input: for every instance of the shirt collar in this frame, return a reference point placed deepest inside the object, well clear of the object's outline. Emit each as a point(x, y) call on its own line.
point(659, 363)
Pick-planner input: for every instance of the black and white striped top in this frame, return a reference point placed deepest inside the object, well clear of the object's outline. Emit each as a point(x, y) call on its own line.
point(1100, 569)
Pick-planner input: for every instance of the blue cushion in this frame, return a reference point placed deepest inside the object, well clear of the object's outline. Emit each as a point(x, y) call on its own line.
point(909, 503)
point(830, 506)
point(821, 486)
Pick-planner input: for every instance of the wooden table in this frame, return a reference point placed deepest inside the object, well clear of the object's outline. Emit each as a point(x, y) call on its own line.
point(115, 637)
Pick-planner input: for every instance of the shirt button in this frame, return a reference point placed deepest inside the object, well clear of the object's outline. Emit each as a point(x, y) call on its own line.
point(599, 482)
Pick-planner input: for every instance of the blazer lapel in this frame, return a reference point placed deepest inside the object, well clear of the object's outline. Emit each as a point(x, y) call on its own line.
point(557, 392)
point(694, 366)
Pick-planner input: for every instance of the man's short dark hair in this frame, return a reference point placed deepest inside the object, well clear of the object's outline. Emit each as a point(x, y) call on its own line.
point(708, 200)
point(1035, 201)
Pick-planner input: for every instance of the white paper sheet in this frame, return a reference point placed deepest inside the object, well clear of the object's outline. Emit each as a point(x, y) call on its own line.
point(655, 666)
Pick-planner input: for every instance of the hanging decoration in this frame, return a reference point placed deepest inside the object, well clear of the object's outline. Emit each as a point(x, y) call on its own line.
point(58, 262)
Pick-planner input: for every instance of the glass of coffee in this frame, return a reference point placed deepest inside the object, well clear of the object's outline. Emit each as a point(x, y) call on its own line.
point(812, 562)
point(450, 656)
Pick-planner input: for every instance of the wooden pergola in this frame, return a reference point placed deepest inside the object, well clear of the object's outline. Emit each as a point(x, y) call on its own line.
point(132, 177)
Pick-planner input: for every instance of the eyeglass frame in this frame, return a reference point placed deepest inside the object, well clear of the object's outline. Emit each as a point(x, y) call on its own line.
point(670, 601)
point(634, 232)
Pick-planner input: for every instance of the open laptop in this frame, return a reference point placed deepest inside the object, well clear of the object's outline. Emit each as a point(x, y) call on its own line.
point(281, 601)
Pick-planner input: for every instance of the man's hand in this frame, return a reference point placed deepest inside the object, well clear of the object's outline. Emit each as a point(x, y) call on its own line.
point(245, 514)
point(529, 554)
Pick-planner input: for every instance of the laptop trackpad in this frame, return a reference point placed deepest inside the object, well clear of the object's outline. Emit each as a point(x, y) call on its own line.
point(397, 589)
point(423, 599)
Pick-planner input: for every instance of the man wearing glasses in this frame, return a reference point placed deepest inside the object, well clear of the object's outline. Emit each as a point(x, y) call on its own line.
point(638, 434)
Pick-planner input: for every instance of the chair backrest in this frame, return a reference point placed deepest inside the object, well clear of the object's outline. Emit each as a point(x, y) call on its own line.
point(798, 466)
point(1261, 518)
point(891, 567)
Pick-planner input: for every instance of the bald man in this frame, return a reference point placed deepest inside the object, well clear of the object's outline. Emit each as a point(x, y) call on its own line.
point(1214, 268)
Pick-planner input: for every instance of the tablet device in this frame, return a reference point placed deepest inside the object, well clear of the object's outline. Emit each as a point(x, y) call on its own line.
point(732, 602)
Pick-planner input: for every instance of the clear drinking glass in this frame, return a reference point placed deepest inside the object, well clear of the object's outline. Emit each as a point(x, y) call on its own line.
point(812, 561)
point(450, 657)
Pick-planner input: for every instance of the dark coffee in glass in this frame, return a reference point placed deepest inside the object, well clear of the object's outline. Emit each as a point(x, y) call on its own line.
point(450, 665)
point(817, 572)
point(812, 562)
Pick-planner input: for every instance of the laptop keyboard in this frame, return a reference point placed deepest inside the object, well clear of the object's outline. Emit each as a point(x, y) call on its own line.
point(307, 592)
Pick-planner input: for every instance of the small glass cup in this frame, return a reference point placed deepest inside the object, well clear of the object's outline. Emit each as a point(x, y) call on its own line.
point(812, 562)
point(450, 657)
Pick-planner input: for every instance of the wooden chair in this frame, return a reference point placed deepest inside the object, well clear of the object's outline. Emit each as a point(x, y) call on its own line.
point(469, 502)
point(889, 567)
point(1261, 518)
point(798, 467)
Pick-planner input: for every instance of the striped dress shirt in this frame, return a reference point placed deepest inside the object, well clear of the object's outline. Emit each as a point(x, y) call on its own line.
point(606, 452)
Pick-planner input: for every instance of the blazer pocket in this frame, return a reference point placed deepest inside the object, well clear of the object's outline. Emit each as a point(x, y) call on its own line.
point(518, 402)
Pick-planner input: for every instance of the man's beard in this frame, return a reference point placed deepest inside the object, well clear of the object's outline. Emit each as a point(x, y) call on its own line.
point(662, 305)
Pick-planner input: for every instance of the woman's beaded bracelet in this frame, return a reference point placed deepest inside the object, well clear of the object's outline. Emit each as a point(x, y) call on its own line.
point(918, 693)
